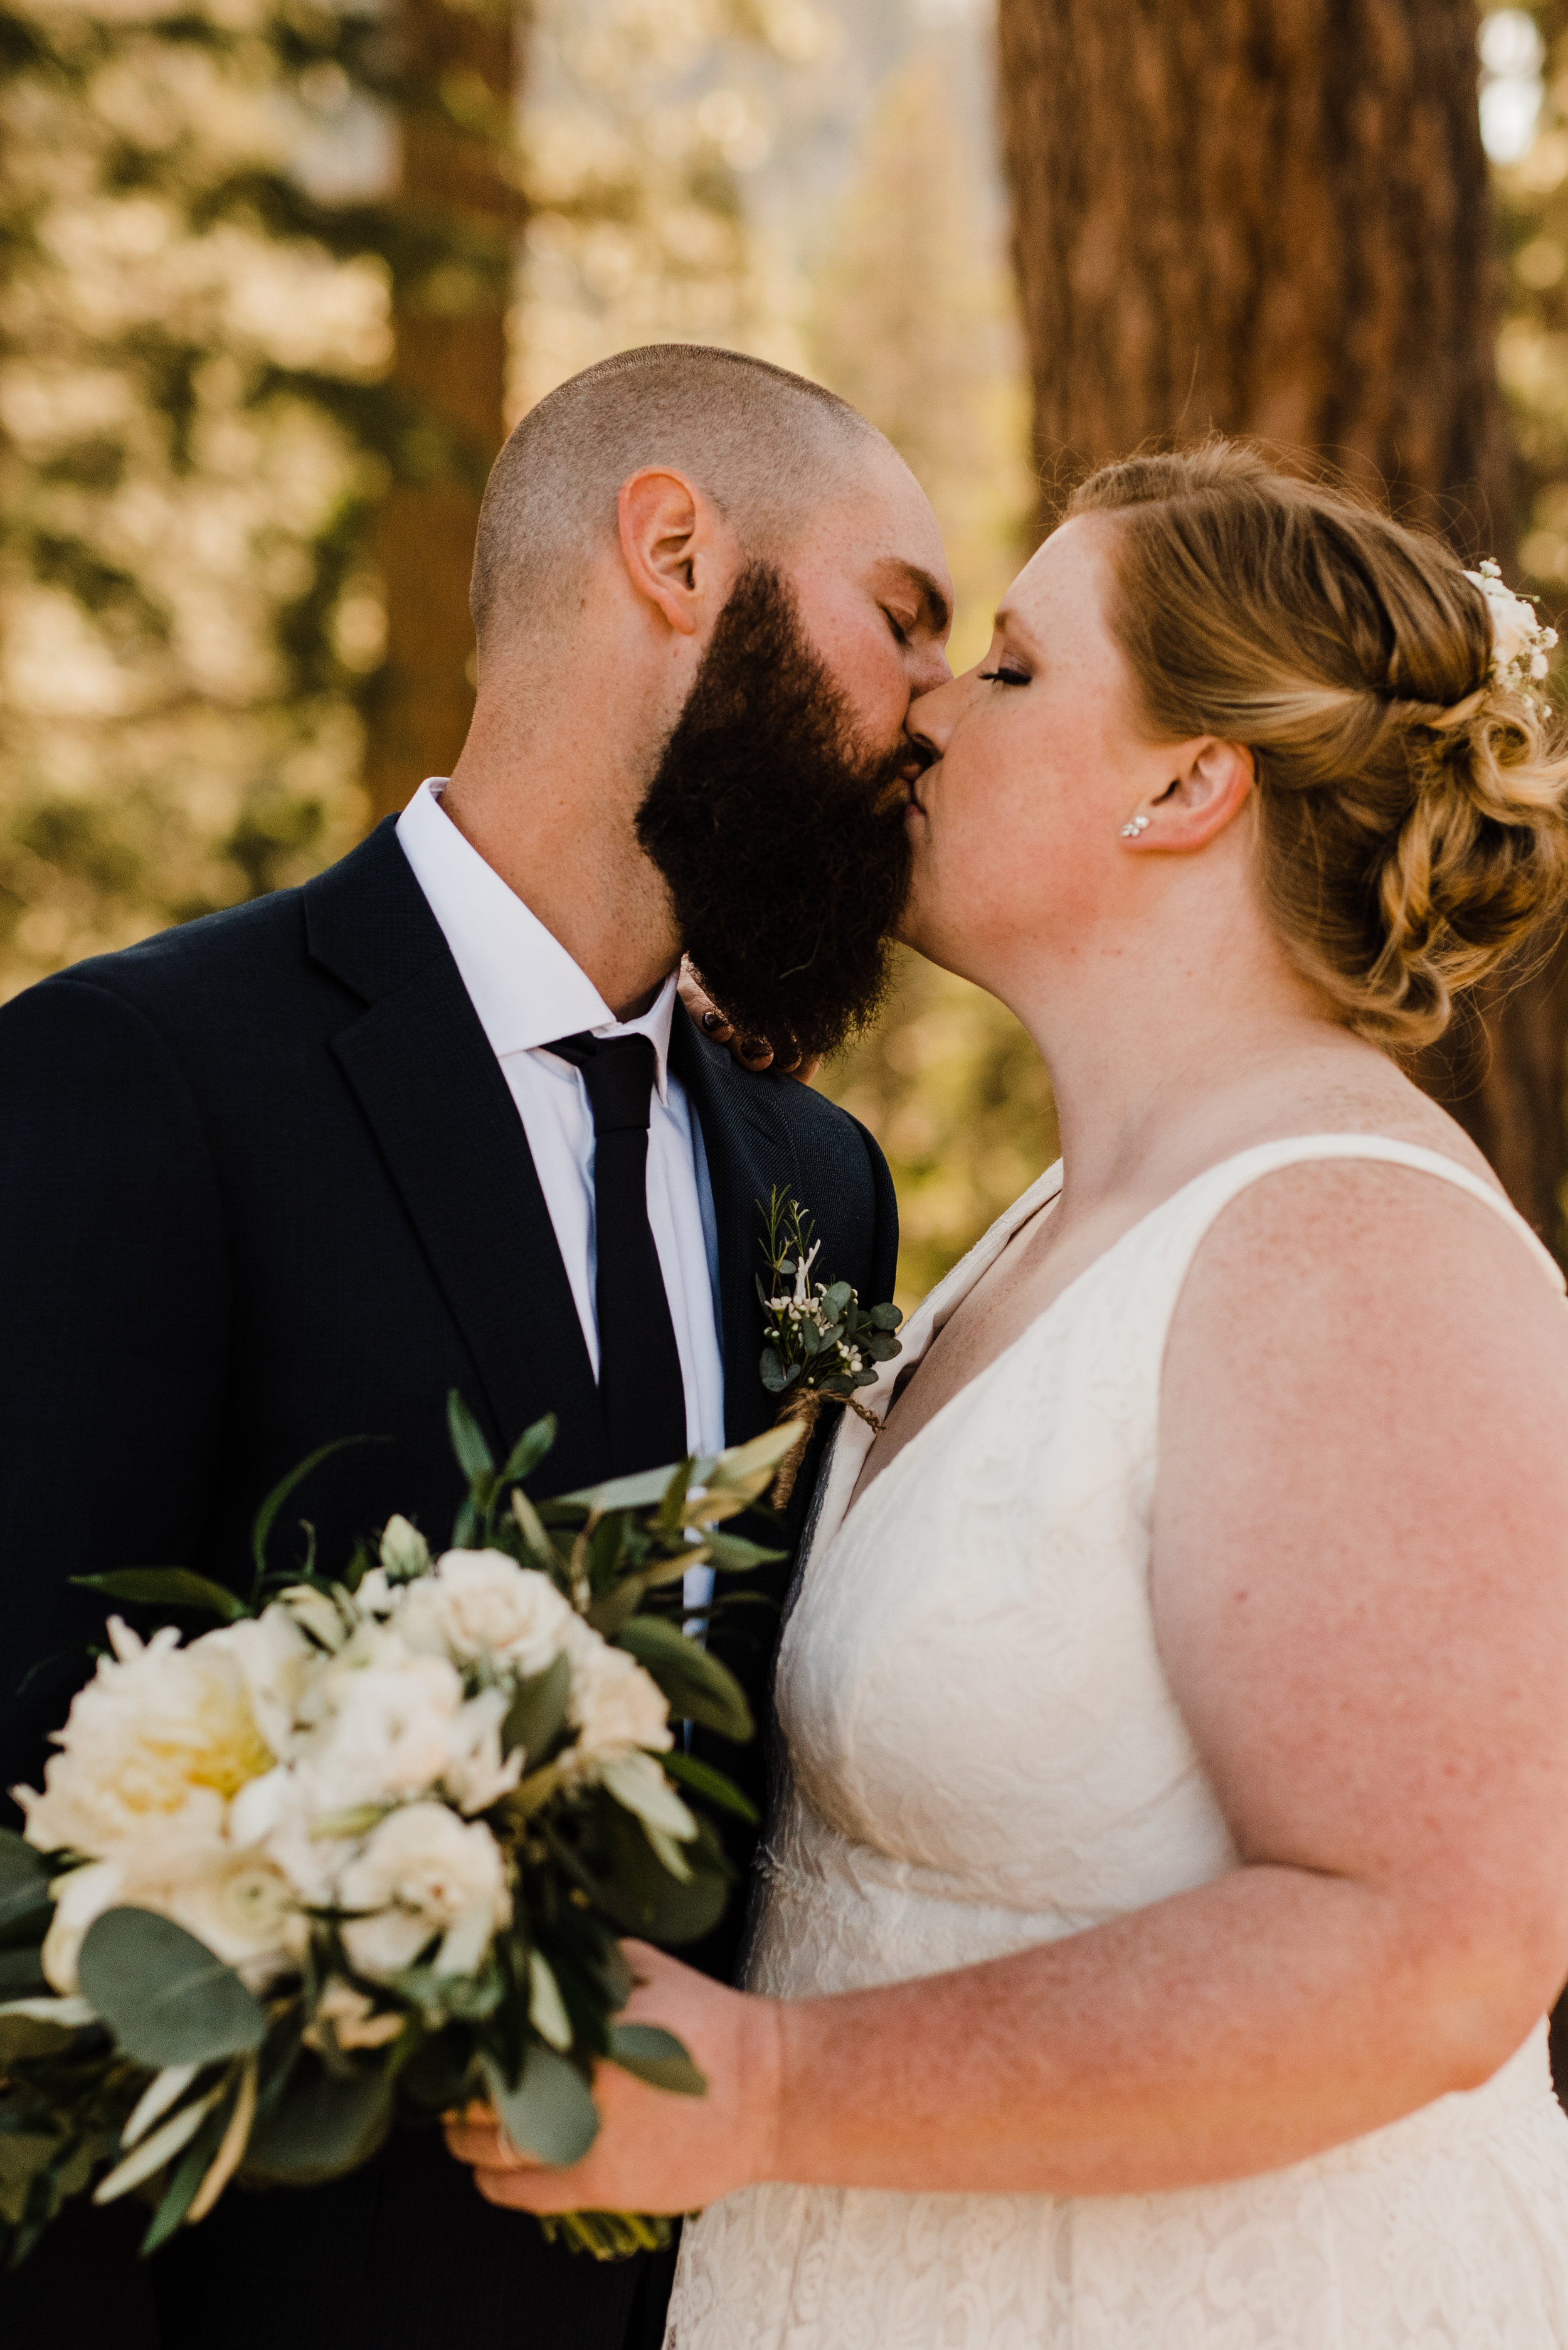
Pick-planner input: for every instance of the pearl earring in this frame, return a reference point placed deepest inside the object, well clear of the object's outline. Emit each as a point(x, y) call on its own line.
point(1139, 823)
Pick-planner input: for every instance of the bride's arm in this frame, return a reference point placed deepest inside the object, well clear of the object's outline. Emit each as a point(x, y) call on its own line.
point(1361, 1595)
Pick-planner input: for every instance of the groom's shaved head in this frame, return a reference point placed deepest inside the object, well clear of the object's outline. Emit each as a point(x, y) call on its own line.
point(766, 446)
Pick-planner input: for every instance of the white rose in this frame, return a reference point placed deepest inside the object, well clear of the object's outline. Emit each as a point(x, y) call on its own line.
point(161, 1734)
point(384, 1725)
point(480, 1603)
point(272, 1815)
point(424, 1872)
point(477, 1774)
point(243, 1907)
point(236, 1903)
point(614, 1705)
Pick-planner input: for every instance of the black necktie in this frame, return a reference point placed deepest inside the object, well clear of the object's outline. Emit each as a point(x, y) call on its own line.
point(640, 1387)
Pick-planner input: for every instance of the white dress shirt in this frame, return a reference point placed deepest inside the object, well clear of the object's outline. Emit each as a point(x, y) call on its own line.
point(528, 991)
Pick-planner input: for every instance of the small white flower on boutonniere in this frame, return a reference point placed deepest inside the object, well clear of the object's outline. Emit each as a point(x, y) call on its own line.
point(822, 1342)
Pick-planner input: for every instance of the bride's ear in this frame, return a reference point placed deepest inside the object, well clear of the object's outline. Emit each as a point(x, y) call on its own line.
point(1211, 785)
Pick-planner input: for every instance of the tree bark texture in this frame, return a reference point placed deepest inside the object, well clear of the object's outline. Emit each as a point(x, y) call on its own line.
point(1272, 218)
point(459, 212)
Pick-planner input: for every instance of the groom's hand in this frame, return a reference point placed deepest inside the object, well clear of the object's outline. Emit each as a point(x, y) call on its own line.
point(752, 1052)
point(656, 2152)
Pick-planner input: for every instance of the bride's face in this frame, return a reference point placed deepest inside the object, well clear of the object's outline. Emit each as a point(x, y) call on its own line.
point(1039, 759)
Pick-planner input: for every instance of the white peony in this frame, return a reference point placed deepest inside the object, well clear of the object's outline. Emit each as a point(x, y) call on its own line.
point(160, 1735)
point(423, 1872)
point(276, 1661)
point(614, 1705)
point(480, 1603)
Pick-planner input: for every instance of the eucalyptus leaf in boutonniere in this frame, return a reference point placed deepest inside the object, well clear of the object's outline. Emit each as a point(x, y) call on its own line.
point(822, 1342)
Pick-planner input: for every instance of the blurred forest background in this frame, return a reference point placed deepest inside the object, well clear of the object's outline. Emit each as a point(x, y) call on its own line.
point(277, 274)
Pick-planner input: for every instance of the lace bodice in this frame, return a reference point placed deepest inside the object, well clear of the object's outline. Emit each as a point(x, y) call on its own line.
point(984, 1753)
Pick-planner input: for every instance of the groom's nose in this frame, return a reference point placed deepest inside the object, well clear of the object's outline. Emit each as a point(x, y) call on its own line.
point(933, 713)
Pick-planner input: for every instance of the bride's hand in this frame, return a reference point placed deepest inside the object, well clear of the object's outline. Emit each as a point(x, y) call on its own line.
point(656, 2151)
point(752, 1052)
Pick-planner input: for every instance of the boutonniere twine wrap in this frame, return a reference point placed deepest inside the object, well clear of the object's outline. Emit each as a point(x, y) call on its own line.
point(822, 1342)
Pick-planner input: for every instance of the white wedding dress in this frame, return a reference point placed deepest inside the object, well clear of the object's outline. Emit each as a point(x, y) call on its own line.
point(984, 1753)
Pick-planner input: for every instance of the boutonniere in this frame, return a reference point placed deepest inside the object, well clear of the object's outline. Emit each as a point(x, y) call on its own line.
point(822, 1342)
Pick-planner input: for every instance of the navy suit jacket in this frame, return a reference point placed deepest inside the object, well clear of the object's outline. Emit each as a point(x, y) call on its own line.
point(262, 1184)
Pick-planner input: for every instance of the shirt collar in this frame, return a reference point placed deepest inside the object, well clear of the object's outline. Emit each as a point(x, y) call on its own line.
point(521, 980)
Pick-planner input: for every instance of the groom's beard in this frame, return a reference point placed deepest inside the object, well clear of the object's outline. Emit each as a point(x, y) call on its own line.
point(781, 838)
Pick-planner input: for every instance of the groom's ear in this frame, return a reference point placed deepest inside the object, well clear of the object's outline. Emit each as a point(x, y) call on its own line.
point(672, 544)
point(1212, 783)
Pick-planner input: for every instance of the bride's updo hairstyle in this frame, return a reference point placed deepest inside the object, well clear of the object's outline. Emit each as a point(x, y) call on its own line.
point(1412, 818)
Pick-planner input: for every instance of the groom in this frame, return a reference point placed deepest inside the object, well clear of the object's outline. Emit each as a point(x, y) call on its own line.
point(295, 1171)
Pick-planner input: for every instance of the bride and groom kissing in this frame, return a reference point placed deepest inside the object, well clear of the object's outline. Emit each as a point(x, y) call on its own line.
point(1167, 1872)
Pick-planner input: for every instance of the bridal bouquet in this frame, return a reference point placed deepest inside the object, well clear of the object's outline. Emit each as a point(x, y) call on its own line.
point(364, 1849)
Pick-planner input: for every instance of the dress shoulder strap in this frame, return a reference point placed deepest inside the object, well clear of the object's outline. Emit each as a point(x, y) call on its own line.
point(1213, 1191)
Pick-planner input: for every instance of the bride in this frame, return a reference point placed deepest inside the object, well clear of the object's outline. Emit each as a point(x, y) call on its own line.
point(1172, 1876)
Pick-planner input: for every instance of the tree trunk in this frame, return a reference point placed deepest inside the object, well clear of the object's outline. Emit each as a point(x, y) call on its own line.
point(1272, 217)
point(459, 206)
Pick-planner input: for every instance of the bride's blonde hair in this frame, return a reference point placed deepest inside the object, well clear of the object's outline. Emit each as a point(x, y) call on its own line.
point(1407, 845)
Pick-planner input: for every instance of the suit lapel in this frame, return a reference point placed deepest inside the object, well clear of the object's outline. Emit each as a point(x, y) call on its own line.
point(423, 1071)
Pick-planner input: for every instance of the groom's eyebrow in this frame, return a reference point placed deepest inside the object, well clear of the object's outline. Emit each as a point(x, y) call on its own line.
point(935, 608)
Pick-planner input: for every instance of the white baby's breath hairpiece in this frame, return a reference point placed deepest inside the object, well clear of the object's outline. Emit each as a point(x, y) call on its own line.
point(1519, 645)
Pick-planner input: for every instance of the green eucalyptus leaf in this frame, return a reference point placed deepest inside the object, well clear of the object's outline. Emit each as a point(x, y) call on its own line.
point(885, 1317)
point(837, 1299)
point(642, 1491)
point(733, 1554)
point(22, 1972)
point(657, 2057)
point(163, 1995)
point(880, 1347)
point(475, 1457)
point(551, 2114)
point(529, 1450)
point(321, 2125)
point(641, 1896)
point(26, 1902)
point(698, 1688)
point(537, 1712)
point(166, 1586)
point(701, 1777)
point(776, 1377)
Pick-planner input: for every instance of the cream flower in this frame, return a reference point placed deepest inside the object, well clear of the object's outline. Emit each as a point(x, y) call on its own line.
point(353, 2021)
point(614, 1705)
point(237, 1903)
point(480, 1603)
point(161, 1734)
point(423, 1872)
point(1519, 644)
point(381, 1724)
point(276, 1661)
point(477, 1774)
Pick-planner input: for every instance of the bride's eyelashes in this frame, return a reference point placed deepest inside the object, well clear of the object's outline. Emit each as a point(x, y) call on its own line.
point(1003, 676)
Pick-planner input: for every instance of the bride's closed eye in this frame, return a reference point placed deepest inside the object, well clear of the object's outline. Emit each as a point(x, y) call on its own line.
point(1003, 676)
